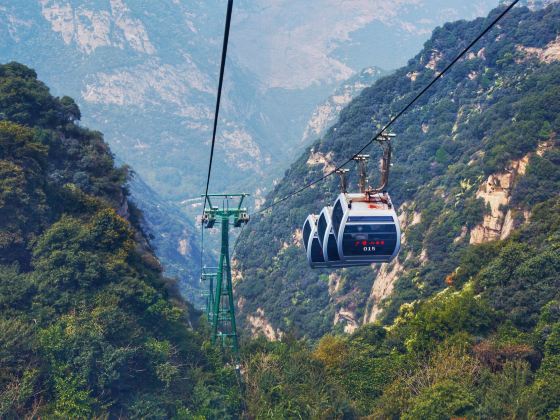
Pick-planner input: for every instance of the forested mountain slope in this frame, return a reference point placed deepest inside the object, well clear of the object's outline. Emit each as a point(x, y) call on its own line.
point(90, 328)
point(487, 347)
point(472, 159)
point(145, 74)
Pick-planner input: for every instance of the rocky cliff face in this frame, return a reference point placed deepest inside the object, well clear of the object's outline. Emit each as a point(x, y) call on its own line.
point(499, 221)
point(90, 28)
point(496, 193)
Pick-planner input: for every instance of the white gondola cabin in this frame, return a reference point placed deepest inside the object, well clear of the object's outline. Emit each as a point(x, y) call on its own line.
point(366, 228)
point(361, 228)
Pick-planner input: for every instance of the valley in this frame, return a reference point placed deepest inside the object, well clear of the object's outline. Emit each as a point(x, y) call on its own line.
point(150, 87)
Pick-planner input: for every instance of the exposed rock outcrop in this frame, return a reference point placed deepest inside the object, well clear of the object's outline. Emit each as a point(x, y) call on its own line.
point(317, 158)
point(335, 283)
point(548, 54)
point(91, 29)
point(348, 317)
point(496, 193)
point(326, 113)
point(381, 289)
point(260, 325)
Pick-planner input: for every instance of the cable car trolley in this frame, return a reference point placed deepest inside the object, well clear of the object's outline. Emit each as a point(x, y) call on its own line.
point(361, 228)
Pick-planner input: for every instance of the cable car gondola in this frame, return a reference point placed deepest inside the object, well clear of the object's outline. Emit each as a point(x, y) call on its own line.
point(366, 228)
point(365, 224)
point(361, 228)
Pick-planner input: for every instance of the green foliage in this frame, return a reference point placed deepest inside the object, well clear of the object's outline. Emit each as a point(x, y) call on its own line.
point(90, 328)
point(285, 381)
point(447, 313)
point(440, 401)
point(506, 392)
point(494, 107)
point(26, 100)
point(525, 274)
point(464, 352)
point(470, 331)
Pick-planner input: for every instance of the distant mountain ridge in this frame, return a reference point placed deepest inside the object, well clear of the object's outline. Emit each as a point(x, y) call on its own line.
point(327, 112)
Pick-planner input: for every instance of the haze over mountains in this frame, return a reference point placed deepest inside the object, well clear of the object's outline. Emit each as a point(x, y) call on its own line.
point(144, 73)
point(147, 71)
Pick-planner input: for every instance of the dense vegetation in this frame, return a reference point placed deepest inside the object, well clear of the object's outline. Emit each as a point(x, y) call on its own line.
point(89, 326)
point(497, 105)
point(470, 331)
point(486, 347)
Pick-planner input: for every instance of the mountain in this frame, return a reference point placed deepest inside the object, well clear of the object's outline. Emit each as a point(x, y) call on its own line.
point(471, 160)
point(90, 326)
point(467, 321)
point(488, 346)
point(327, 112)
point(145, 74)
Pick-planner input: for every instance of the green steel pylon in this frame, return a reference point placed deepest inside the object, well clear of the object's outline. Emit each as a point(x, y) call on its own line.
point(209, 275)
point(221, 309)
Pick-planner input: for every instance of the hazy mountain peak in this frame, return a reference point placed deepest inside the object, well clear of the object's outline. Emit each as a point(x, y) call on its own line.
point(301, 50)
point(90, 28)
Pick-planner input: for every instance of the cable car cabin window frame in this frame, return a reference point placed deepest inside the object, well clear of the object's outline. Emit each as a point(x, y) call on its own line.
point(331, 250)
point(337, 216)
point(323, 223)
point(313, 245)
point(316, 251)
point(328, 237)
point(307, 228)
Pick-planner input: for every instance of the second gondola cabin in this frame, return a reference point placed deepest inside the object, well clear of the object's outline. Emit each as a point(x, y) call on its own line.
point(313, 248)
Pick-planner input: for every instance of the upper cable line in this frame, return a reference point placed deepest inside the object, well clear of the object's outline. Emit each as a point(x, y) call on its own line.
point(216, 116)
point(219, 95)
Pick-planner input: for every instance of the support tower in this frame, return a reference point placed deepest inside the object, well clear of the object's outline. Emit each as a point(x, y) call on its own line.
point(220, 304)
